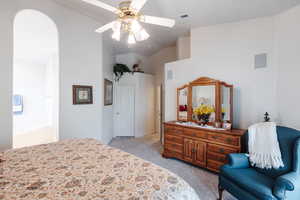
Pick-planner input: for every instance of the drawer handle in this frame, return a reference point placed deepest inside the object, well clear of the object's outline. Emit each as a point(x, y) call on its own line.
point(229, 140)
point(194, 134)
point(222, 150)
point(174, 145)
point(215, 137)
point(193, 150)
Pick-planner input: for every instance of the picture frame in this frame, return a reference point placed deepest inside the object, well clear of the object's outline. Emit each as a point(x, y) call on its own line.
point(227, 126)
point(82, 94)
point(108, 92)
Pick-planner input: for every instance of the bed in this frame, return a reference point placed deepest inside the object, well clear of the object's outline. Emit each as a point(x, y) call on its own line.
point(86, 169)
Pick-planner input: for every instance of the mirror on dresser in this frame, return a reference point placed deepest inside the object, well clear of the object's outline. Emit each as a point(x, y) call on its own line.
point(182, 103)
point(226, 103)
point(203, 102)
point(206, 101)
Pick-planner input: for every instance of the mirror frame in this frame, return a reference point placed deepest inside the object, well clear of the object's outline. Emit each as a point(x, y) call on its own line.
point(205, 81)
point(231, 100)
point(178, 93)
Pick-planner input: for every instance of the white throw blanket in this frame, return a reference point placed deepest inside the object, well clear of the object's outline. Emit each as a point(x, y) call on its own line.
point(264, 150)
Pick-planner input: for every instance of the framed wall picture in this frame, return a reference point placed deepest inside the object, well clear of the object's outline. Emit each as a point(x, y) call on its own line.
point(82, 94)
point(108, 92)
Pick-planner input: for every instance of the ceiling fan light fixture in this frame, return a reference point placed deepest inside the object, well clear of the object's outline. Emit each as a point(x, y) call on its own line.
point(141, 35)
point(144, 35)
point(117, 26)
point(128, 20)
point(135, 26)
point(116, 35)
point(131, 39)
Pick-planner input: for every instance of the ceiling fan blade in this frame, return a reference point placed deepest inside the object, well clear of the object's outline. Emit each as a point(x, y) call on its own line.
point(105, 27)
point(157, 21)
point(102, 5)
point(137, 5)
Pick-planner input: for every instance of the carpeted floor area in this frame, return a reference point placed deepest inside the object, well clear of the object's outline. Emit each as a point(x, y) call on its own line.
point(149, 148)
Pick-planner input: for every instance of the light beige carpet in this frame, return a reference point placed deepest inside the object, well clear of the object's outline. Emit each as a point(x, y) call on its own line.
point(149, 148)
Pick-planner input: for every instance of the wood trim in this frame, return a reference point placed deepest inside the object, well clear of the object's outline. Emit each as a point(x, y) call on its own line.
point(231, 100)
point(203, 81)
point(190, 104)
point(177, 108)
point(237, 132)
point(106, 83)
point(218, 106)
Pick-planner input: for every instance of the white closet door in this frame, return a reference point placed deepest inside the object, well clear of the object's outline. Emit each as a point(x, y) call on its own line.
point(124, 111)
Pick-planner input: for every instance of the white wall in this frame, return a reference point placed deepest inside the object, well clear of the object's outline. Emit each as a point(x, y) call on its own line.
point(156, 63)
point(288, 49)
point(131, 59)
point(108, 63)
point(30, 82)
point(80, 63)
point(184, 48)
point(158, 60)
point(226, 52)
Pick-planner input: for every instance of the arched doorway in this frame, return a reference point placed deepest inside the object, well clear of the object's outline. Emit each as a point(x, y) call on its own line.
point(35, 79)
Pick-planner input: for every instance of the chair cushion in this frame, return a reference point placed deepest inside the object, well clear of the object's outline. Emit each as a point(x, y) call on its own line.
point(252, 181)
point(286, 138)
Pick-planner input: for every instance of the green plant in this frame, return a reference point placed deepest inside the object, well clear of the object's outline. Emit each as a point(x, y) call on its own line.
point(119, 70)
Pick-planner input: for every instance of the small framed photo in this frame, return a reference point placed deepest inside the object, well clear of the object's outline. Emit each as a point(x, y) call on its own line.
point(227, 126)
point(82, 94)
point(108, 92)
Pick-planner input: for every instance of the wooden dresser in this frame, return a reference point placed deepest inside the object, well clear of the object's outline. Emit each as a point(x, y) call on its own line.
point(200, 146)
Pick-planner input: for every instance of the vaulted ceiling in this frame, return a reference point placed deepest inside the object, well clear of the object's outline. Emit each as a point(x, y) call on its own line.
point(201, 13)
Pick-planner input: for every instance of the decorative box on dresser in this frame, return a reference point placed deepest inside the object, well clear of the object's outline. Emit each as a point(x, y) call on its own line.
point(203, 147)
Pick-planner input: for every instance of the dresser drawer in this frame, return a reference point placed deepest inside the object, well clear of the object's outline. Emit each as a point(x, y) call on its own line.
point(173, 138)
point(214, 165)
point(221, 149)
point(171, 146)
point(217, 157)
point(224, 139)
point(195, 133)
point(172, 154)
point(173, 129)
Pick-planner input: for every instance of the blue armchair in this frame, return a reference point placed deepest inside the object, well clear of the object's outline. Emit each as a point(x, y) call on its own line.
point(245, 182)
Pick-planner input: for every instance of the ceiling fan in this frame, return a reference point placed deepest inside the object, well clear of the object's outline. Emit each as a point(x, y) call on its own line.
point(129, 18)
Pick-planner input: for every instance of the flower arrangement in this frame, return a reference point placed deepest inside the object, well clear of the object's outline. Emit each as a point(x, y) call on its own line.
point(203, 112)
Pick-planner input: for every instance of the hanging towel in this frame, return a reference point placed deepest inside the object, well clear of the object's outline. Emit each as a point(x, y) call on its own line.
point(264, 150)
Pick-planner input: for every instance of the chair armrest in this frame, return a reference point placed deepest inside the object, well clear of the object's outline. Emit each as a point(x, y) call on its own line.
point(286, 182)
point(238, 160)
point(297, 156)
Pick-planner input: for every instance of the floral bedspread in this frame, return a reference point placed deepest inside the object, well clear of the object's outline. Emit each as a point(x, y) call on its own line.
point(86, 170)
